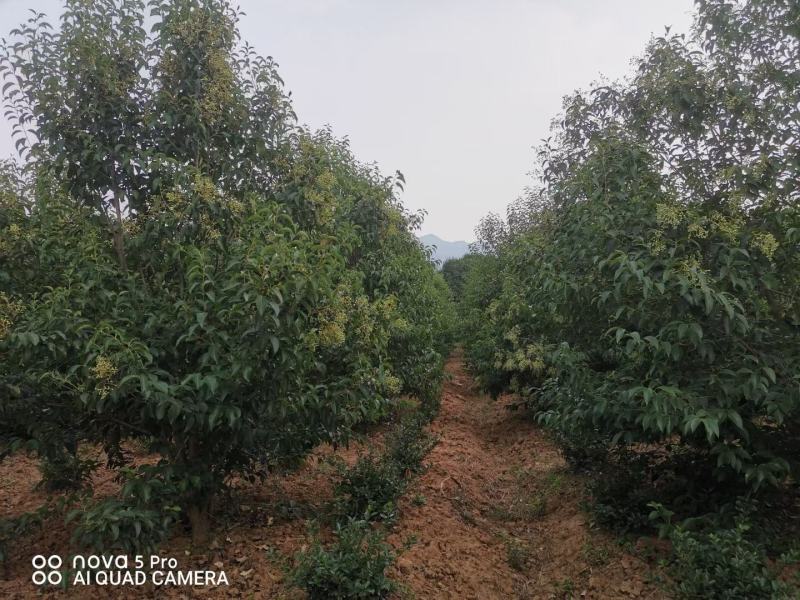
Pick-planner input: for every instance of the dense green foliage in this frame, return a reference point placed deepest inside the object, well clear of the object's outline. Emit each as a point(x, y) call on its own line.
point(644, 301)
point(364, 507)
point(649, 291)
point(720, 558)
point(180, 263)
point(353, 567)
point(454, 271)
point(409, 443)
point(369, 490)
point(723, 564)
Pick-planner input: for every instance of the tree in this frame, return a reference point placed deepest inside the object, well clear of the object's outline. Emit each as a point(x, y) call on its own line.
point(188, 267)
point(653, 296)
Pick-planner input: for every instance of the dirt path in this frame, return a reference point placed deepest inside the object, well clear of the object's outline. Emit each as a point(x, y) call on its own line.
point(502, 517)
point(495, 516)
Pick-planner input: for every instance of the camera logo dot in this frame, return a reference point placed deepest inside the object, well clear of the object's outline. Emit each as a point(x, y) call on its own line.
point(46, 569)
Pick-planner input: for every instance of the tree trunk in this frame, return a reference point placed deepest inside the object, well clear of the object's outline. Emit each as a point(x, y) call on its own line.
point(200, 523)
point(199, 509)
point(119, 239)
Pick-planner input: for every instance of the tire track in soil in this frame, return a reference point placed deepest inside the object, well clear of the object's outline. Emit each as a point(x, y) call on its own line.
point(495, 481)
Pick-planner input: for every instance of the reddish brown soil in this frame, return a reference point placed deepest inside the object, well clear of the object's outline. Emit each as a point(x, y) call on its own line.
point(495, 516)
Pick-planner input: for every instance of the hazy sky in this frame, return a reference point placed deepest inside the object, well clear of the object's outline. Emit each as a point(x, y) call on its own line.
point(454, 93)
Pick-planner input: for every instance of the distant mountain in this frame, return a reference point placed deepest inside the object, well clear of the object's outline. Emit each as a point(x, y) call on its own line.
point(444, 249)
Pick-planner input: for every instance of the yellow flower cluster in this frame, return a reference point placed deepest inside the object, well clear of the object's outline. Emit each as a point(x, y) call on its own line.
point(104, 368)
point(512, 335)
point(209, 227)
point(365, 313)
point(219, 83)
point(765, 242)
point(355, 315)
point(669, 215)
point(13, 232)
point(728, 226)
point(175, 200)
point(236, 207)
point(332, 324)
point(697, 230)
point(365, 329)
point(219, 78)
point(393, 385)
point(103, 371)
point(530, 358)
point(690, 267)
point(326, 180)
point(9, 310)
point(387, 309)
point(204, 187)
point(657, 244)
point(322, 198)
point(331, 334)
point(388, 306)
point(732, 101)
point(131, 226)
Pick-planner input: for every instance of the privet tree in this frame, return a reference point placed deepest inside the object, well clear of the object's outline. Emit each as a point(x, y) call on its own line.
point(654, 294)
point(386, 254)
point(182, 264)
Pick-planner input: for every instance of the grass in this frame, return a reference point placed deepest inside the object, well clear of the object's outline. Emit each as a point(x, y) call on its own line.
point(518, 554)
point(524, 505)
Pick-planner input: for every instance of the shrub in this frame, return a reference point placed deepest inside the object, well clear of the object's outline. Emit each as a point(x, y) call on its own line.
point(134, 523)
point(66, 471)
point(583, 448)
point(620, 496)
point(353, 566)
point(624, 487)
point(369, 490)
point(408, 444)
point(723, 564)
point(117, 526)
point(13, 528)
point(518, 555)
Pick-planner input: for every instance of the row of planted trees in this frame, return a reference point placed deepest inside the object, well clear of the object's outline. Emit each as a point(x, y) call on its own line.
point(181, 264)
point(646, 296)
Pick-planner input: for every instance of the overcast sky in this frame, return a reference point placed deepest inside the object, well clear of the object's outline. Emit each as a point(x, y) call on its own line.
point(453, 93)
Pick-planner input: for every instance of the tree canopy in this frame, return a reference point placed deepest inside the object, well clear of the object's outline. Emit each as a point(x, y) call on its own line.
point(182, 264)
point(648, 289)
